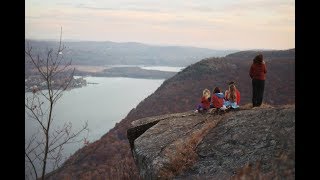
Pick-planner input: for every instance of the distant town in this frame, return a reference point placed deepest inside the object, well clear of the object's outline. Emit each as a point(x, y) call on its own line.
point(34, 83)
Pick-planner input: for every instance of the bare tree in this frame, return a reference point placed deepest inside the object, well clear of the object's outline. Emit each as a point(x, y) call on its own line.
point(46, 145)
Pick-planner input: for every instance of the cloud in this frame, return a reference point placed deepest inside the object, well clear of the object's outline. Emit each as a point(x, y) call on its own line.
point(211, 23)
point(64, 3)
point(84, 6)
point(32, 17)
point(202, 9)
point(123, 8)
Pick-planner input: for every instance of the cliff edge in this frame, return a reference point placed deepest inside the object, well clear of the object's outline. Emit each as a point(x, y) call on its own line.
point(254, 143)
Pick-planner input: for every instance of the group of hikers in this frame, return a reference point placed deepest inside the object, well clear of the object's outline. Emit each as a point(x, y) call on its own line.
point(220, 100)
point(231, 98)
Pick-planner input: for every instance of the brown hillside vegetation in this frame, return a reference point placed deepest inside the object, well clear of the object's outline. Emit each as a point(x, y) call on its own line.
point(110, 157)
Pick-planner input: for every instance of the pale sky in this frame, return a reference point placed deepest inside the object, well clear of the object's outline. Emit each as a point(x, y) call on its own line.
point(216, 24)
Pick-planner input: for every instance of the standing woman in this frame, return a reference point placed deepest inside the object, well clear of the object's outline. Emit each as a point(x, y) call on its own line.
point(257, 73)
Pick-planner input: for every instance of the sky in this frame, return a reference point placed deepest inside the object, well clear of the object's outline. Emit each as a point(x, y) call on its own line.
point(215, 24)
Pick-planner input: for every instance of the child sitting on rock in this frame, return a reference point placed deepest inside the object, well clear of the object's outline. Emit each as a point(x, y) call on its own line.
point(205, 101)
point(231, 97)
point(217, 99)
point(237, 92)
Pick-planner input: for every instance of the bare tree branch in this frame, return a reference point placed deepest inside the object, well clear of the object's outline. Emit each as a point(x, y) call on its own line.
point(35, 63)
point(31, 140)
point(33, 148)
point(57, 96)
point(33, 167)
point(47, 145)
point(69, 138)
point(36, 117)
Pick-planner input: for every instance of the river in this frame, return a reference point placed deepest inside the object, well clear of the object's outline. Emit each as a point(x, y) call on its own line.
point(102, 104)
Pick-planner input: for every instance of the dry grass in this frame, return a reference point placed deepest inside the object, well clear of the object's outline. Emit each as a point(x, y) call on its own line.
point(265, 105)
point(288, 105)
point(246, 106)
point(182, 154)
point(249, 106)
point(249, 172)
point(183, 157)
point(281, 169)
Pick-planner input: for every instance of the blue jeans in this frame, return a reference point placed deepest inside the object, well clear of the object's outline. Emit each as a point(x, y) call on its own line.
point(231, 104)
point(200, 107)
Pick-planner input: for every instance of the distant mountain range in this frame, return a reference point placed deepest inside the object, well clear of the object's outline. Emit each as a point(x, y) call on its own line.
point(110, 157)
point(130, 53)
point(268, 55)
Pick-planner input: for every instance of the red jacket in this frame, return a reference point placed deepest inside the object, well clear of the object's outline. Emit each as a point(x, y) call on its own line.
point(258, 71)
point(205, 102)
point(238, 96)
point(216, 101)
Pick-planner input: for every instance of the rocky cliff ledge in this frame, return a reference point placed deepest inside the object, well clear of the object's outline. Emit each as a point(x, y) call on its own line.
point(247, 143)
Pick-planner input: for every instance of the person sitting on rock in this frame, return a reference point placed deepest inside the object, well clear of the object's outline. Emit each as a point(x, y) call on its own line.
point(217, 99)
point(237, 91)
point(205, 101)
point(232, 98)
